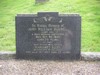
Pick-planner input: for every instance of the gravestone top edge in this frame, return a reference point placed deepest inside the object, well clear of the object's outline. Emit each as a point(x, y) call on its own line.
point(44, 13)
point(29, 15)
point(48, 34)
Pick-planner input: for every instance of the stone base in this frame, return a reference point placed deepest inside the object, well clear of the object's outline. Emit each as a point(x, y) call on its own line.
point(90, 56)
point(7, 55)
point(85, 56)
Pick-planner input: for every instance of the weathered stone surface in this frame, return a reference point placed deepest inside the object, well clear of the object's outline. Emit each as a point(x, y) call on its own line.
point(48, 35)
point(90, 56)
point(7, 55)
point(40, 1)
point(85, 56)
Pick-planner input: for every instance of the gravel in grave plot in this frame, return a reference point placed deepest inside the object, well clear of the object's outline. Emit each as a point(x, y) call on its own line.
point(46, 67)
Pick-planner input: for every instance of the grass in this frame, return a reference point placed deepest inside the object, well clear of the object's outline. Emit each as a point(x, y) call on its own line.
point(88, 9)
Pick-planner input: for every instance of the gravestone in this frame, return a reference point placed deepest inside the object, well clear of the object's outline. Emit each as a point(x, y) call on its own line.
point(48, 35)
point(40, 1)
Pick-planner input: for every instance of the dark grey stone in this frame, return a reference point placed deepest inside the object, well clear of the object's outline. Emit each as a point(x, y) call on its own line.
point(48, 35)
point(40, 1)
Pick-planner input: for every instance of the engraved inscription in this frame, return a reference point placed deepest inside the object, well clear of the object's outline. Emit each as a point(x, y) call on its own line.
point(51, 35)
point(48, 35)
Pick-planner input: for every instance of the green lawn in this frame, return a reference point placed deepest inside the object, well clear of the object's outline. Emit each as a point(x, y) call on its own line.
point(88, 9)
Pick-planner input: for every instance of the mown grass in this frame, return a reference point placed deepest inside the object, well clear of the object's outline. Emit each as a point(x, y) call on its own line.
point(88, 9)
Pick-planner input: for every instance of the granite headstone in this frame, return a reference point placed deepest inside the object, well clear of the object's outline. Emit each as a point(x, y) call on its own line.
point(48, 35)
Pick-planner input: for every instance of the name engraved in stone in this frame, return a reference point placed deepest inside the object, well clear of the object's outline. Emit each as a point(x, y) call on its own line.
point(46, 27)
point(48, 35)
